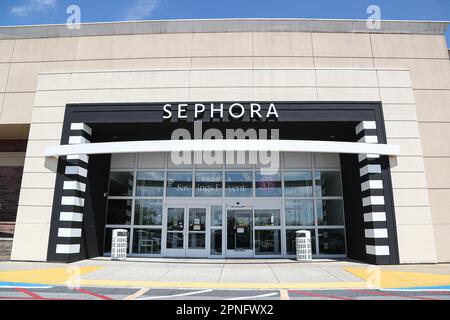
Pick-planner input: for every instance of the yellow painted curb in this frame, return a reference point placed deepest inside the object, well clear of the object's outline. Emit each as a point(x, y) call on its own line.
point(225, 285)
point(53, 276)
point(399, 279)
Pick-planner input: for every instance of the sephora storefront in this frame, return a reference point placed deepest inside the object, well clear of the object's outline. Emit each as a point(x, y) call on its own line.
point(217, 180)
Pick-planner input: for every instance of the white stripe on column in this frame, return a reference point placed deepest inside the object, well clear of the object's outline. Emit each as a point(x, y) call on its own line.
point(69, 233)
point(74, 185)
point(373, 201)
point(371, 184)
point(368, 139)
point(81, 157)
point(72, 170)
point(377, 250)
point(72, 201)
point(78, 140)
point(376, 233)
point(67, 248)
point(374, 216)
point(365, 125)
point(362, 157)
point(370, 168)
point(81, 126)
point(71, 216)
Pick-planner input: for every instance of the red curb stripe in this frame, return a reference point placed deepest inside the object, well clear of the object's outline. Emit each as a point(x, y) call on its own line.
point(31, 294)
point(29, 298)
point(310, 294)
point(62, 299)
point(94, 294)
point(386, 294)
point(439, 292)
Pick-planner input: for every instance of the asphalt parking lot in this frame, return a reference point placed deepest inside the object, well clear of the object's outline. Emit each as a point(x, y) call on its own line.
point(95, 293)
point(184, 279)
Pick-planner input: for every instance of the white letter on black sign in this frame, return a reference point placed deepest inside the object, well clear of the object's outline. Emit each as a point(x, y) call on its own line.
point(182, 109)
point(272, 111)
point(199, 109)
point(167, 112)
point(214, 110)
point(255, 109)
point(230, 111)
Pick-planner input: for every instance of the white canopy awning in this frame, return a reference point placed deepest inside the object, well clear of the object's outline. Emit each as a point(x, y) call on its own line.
point(223, 145)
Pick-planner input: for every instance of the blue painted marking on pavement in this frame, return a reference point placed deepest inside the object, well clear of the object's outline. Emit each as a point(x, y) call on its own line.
point(24, 285)
point(428, 288)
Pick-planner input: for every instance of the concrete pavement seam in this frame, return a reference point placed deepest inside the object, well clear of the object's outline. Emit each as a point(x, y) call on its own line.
point(331, 274)
point(221, 271)
point(165, 273)
point(270, 267)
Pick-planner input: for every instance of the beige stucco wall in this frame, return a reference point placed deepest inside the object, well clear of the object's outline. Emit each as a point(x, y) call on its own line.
point(410, 74)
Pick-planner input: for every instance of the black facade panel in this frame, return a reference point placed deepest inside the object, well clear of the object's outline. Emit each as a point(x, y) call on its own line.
point(354, 219)
point(372, 193)
point(376, 225)
point(367, 132)
point(394, 257)
point(55, 223)
point(377, 241)
point(82, 133)
point(95, 205)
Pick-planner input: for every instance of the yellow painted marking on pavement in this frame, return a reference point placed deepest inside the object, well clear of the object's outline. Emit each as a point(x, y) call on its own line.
point(225, 285)
point(399, 279)
point(52, 276)
point(284, 294)
point(137, 294)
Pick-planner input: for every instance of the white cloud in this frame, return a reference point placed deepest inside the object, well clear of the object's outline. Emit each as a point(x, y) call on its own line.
point(141, 9)
point(33, 6)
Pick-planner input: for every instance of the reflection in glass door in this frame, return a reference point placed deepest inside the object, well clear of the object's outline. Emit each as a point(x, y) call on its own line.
point(239, 232)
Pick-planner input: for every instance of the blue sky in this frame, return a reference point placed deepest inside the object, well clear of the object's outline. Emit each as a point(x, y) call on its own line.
point(25, 12)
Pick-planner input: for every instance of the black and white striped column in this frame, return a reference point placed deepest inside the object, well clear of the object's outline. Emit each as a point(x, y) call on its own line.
point(73, 194)
point(373, 199)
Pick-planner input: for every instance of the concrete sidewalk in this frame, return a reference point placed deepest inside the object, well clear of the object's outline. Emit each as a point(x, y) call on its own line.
point(226, 274)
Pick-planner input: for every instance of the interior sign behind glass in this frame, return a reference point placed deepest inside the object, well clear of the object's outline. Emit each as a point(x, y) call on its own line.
point(183, 111)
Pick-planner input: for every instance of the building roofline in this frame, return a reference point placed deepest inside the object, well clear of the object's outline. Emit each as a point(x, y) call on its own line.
point(223, 25)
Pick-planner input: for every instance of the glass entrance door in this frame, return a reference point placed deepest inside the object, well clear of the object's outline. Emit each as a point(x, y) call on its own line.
point(196, 232)
point(240, 232)
point(186, 232)
point(175, 232)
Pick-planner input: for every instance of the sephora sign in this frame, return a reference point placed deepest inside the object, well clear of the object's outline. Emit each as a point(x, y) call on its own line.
point(184, 111)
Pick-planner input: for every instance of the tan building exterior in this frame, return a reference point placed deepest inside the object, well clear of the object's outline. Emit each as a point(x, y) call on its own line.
point(404, 66)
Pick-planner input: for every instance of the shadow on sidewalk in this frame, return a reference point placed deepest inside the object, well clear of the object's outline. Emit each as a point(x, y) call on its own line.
point(222, 261)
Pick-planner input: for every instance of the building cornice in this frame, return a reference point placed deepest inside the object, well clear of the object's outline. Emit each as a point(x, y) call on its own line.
point(222, 25)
